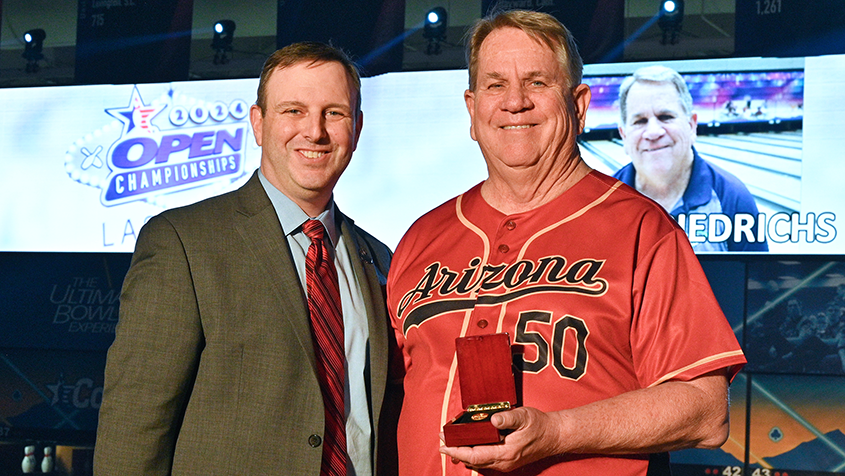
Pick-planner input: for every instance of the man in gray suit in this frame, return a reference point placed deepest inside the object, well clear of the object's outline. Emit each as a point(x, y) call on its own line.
point(213, 368)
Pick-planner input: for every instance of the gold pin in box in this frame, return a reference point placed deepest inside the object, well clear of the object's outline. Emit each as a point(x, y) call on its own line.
point(481, 412)
point(489, 407)
point(485, 374)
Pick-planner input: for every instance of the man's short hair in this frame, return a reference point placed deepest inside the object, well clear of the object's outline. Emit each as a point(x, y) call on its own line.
point(655, 74)
point(312, 52)
point(542, 27)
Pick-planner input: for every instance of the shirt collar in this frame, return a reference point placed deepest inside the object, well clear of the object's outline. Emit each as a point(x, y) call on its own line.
point(699, 187)
point(292, 217)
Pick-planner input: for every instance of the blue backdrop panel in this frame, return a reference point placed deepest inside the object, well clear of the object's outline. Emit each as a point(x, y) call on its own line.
point(60, 300)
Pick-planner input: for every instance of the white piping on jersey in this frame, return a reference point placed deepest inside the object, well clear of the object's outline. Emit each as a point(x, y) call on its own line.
point(473, 228)
point(571, 217)
point(703, 361)
point(502, 317)
point(444, 417)
point(450, 383)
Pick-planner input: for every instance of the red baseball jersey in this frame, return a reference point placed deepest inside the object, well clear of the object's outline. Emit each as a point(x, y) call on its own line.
point(599, 290)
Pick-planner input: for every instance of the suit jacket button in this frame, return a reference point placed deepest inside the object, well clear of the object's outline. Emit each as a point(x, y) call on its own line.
point(315, 441)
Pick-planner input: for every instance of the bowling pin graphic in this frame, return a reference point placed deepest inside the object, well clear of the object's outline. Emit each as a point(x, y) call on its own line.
point(47, 462)
point(28, 463)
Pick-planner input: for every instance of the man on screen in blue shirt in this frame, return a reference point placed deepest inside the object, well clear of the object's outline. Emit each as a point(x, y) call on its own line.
point(658, 131)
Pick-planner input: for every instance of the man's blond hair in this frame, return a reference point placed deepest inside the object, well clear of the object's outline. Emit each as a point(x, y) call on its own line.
point(540, 26)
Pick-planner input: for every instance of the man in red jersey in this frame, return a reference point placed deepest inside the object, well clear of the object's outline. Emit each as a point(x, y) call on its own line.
point(620, 347)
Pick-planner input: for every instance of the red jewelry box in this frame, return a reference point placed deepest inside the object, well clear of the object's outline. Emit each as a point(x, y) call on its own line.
point(485, 373)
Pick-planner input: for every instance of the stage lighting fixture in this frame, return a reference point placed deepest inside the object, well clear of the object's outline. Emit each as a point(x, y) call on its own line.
point(669, 19)
point(33, 44)
point(224, 32)
point(434, 29)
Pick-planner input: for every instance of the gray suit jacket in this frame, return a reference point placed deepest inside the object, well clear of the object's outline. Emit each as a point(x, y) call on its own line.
point(213, 370)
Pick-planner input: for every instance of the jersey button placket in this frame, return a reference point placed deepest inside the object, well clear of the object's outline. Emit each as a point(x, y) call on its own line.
point(508, 225)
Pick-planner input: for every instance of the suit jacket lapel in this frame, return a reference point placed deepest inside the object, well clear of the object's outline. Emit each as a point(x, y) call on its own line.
point(258, 224)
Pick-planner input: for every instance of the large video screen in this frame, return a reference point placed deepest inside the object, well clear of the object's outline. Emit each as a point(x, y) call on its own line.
point(84, 167)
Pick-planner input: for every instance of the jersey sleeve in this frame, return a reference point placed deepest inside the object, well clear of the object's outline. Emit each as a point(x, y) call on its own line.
point(678, 331)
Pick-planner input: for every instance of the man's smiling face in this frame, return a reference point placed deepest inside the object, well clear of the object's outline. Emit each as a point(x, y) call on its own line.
point(657, 134)
point(522, 110)
point(309, 129)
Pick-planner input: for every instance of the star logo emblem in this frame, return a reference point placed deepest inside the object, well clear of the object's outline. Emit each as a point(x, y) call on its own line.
point(137, 116)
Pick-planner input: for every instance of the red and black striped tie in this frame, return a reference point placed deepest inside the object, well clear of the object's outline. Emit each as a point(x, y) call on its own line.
point(327, 329)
